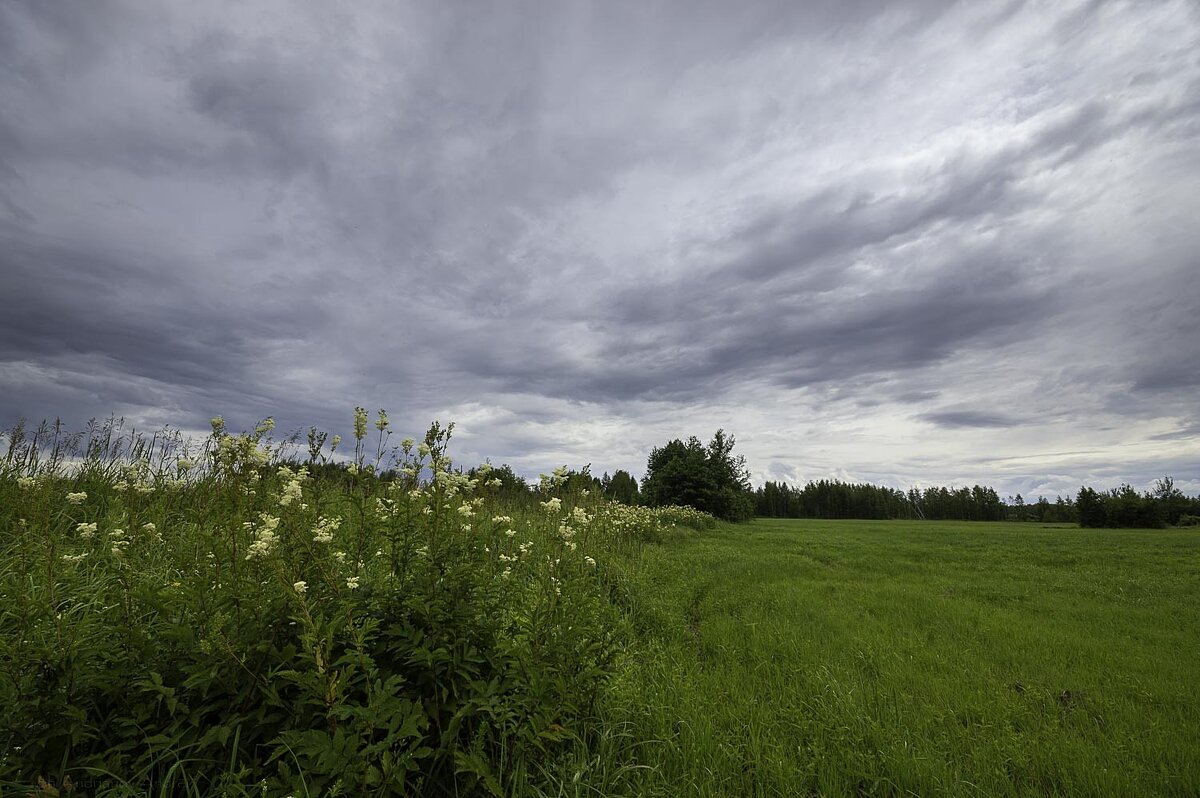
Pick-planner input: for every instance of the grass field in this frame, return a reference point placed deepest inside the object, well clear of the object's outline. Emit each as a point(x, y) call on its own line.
point(909, 658)
point(238, 625)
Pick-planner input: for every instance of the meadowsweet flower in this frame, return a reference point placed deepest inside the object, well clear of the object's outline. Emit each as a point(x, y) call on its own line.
point(150, 527)
point(264, 538)
point(300, 587)
point(25, 483)
point(77, 498)
point(185, 465)
point(506, 573)
point(340, 556)
point(292, 489)
point(352, 469)
point(265, 426)
point(352, 582)
point(407, 445)
point(501, 519)
point(382, 423)
point(324, 529)
point(74, 557)
point(86, 530)
point(465, 510)
point(552, 505)
point(423, 449)
point(512, 533)
point(591, 563)
point(360, 423)
point(144, 488)
point(585, 493)
point(333, 443)
point(384, 508)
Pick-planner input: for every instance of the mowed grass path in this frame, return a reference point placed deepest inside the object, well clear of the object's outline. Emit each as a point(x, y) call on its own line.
point(910, 658)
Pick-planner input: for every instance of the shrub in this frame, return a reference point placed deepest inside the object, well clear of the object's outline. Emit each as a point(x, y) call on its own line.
point(229, 621)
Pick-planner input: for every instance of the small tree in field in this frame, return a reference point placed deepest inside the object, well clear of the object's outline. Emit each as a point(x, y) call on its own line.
point(709, 478)
point(1092, 512)
point(621, 486)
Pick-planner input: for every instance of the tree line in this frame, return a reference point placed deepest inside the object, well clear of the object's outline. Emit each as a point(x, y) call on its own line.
point(1119, 507)
point(711, 478)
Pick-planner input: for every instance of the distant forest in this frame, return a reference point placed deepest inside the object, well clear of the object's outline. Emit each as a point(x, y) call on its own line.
point(1119, 507)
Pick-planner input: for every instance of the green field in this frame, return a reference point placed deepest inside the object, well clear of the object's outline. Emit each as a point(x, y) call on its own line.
point(239, 625)
point(909, 658)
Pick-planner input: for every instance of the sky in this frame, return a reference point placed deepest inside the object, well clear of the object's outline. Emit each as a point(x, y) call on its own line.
point(907, 243)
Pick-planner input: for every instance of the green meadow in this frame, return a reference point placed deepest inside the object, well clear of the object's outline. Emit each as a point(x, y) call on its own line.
point(248, 618)
point(795, 657)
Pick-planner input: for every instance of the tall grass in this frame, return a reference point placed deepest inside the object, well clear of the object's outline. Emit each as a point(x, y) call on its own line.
point(247, 615)
point(897, 658)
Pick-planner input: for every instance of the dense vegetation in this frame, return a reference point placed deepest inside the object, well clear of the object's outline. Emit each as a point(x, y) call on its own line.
point(247, 619)
point(897, 658)
point(283, 618)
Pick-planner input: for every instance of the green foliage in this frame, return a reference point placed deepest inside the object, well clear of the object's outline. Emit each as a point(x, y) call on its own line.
point(621, 487)
point(1124, 507)
point(227, 621)
point(710, 479)
point(896, 658)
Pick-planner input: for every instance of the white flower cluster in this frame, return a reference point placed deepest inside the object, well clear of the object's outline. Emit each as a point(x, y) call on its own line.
point(324, 529)
point(293, 490)
point(360, 423)
point(552, 505)
point(86, 531)
point(136, 476)
point(265, 538)
point(118, 541)
point(241, 453)
point(76, 498)
point(385, 508)
point(556, 479)
point(454, 483)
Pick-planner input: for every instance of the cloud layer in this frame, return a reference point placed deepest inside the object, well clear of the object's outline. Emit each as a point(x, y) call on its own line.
point(907, 243)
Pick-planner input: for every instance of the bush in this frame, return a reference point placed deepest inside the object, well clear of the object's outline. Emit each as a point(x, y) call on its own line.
point(232, 622)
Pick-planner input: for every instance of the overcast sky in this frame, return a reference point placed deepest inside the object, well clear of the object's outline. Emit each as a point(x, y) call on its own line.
point(904, 243)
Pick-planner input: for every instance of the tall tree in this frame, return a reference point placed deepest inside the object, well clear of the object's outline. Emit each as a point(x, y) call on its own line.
point(711, 479)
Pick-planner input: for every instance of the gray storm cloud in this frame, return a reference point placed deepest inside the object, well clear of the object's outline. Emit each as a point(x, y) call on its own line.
point(908, 242)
